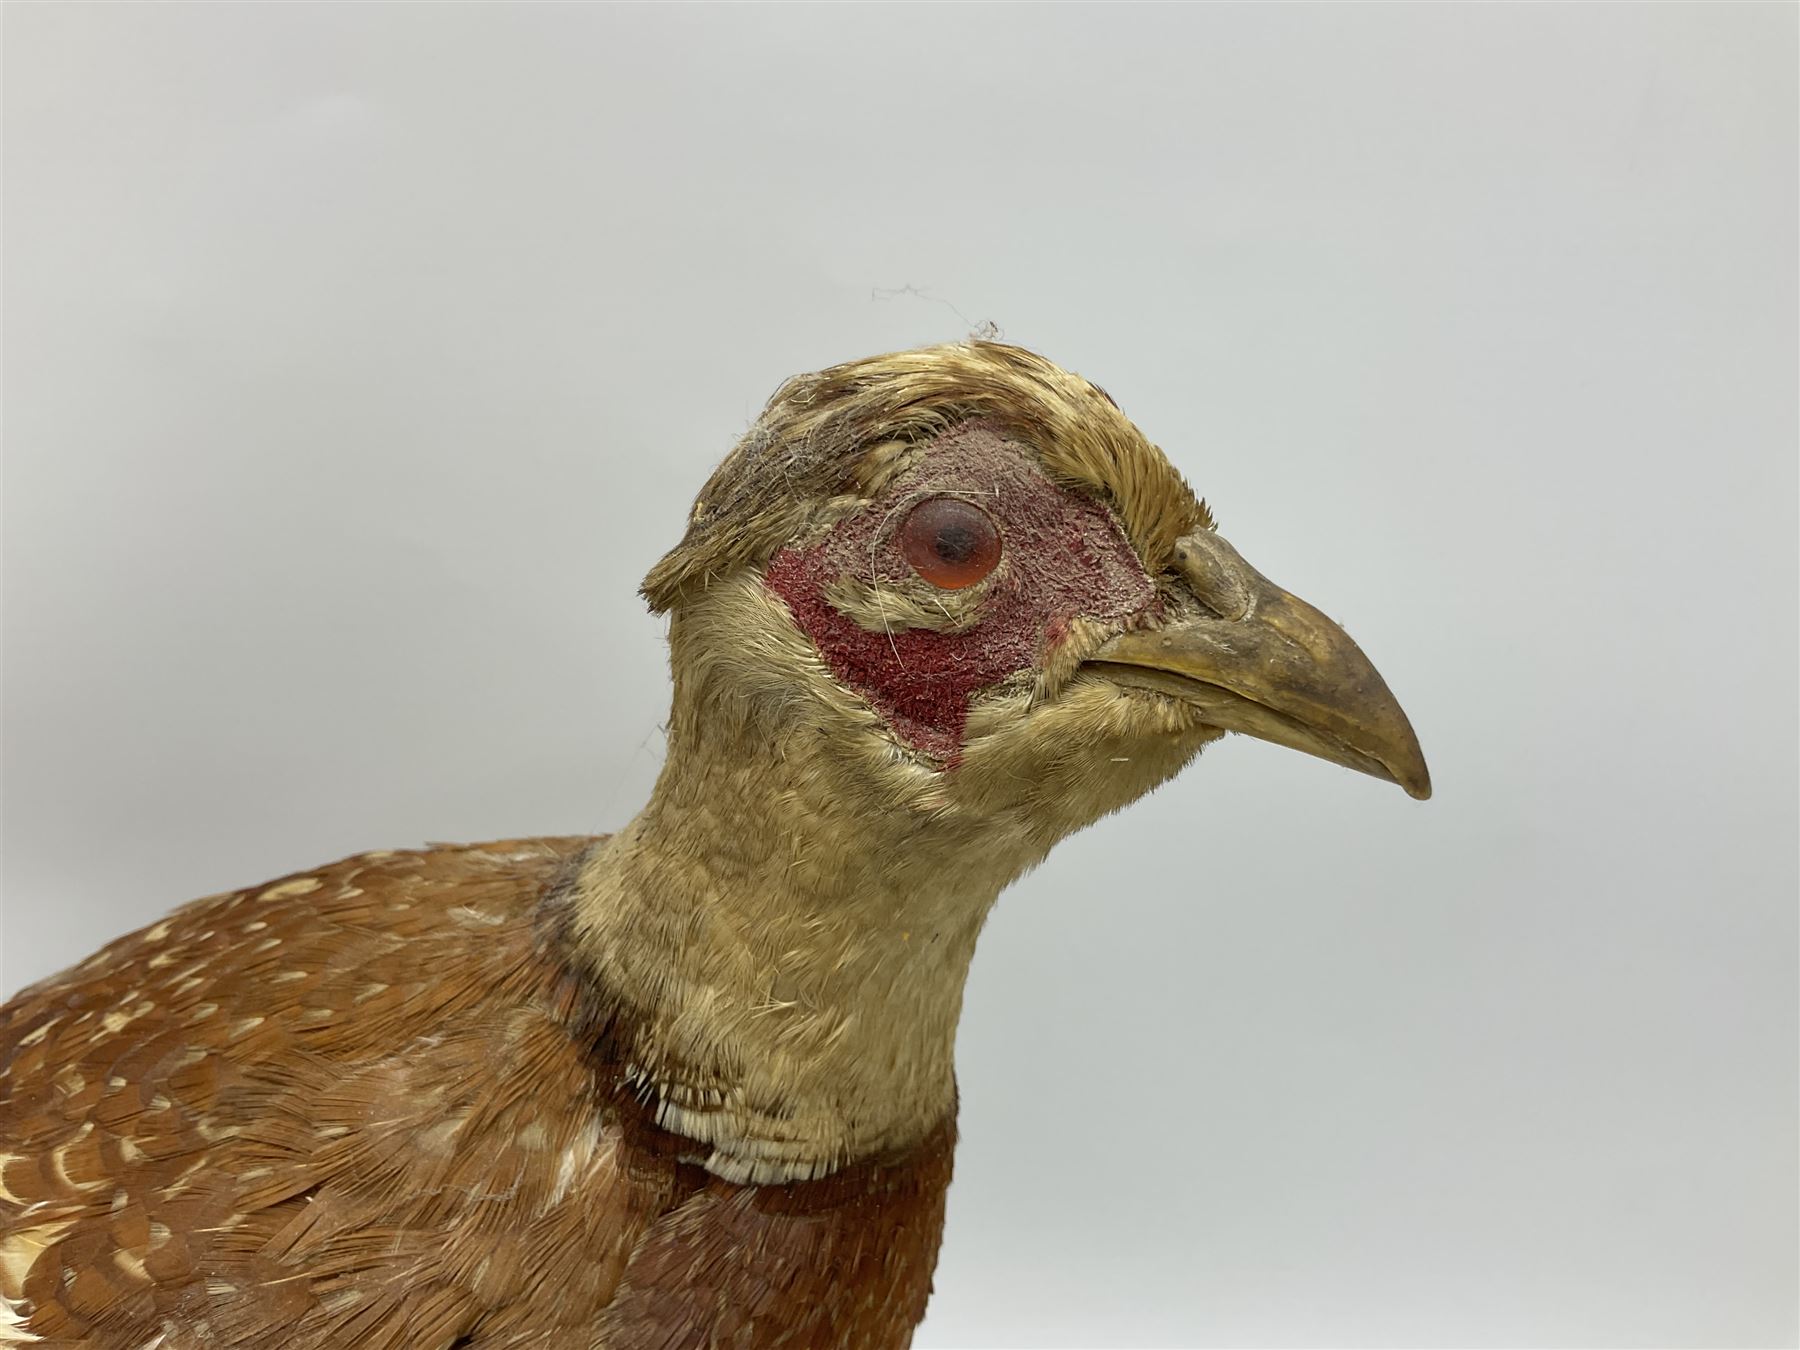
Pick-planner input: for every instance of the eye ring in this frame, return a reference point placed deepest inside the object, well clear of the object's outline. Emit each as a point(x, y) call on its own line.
point(951, 543)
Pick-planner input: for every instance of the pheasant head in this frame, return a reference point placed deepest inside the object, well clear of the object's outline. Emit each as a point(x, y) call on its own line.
point(936, 611)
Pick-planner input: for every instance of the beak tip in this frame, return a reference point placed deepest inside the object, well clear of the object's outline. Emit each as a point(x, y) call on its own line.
point(1408, 765)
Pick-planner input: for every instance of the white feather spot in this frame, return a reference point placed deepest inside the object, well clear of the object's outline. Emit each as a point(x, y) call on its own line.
point(12, 1323)
point(19, 1252)
point(59, 1169)
point(6, 1194)
point(299, 886)
point(441, 1136)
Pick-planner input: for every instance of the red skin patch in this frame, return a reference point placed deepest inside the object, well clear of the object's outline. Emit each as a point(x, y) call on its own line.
point(1062, 557)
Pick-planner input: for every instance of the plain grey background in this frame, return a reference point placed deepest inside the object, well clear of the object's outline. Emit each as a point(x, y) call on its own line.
point(361, 359)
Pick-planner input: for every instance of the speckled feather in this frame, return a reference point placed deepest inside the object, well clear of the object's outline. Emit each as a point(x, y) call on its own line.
point(369, 1106)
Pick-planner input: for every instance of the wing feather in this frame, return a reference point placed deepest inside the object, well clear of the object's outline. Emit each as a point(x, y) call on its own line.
point(340, 1108)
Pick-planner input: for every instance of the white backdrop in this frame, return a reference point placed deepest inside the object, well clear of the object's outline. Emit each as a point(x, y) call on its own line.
point(360, 360)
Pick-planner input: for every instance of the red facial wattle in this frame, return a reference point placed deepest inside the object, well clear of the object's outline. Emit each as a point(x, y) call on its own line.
point(1056, 555)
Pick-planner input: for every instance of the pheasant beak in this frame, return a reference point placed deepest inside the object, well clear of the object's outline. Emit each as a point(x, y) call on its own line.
point(1269, 665)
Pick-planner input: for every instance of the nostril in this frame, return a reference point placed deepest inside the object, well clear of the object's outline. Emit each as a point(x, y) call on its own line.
point(1215, 574)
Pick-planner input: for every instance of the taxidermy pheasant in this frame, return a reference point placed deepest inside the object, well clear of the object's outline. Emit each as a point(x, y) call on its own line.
point(689, 1084)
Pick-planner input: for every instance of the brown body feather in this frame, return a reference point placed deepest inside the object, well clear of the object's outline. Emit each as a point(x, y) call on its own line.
point(371, 1106)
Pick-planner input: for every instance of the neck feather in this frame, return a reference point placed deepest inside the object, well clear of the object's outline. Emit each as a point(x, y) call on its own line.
point(787, 947)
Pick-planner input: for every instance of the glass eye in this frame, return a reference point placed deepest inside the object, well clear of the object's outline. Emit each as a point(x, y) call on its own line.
point(950, 542)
